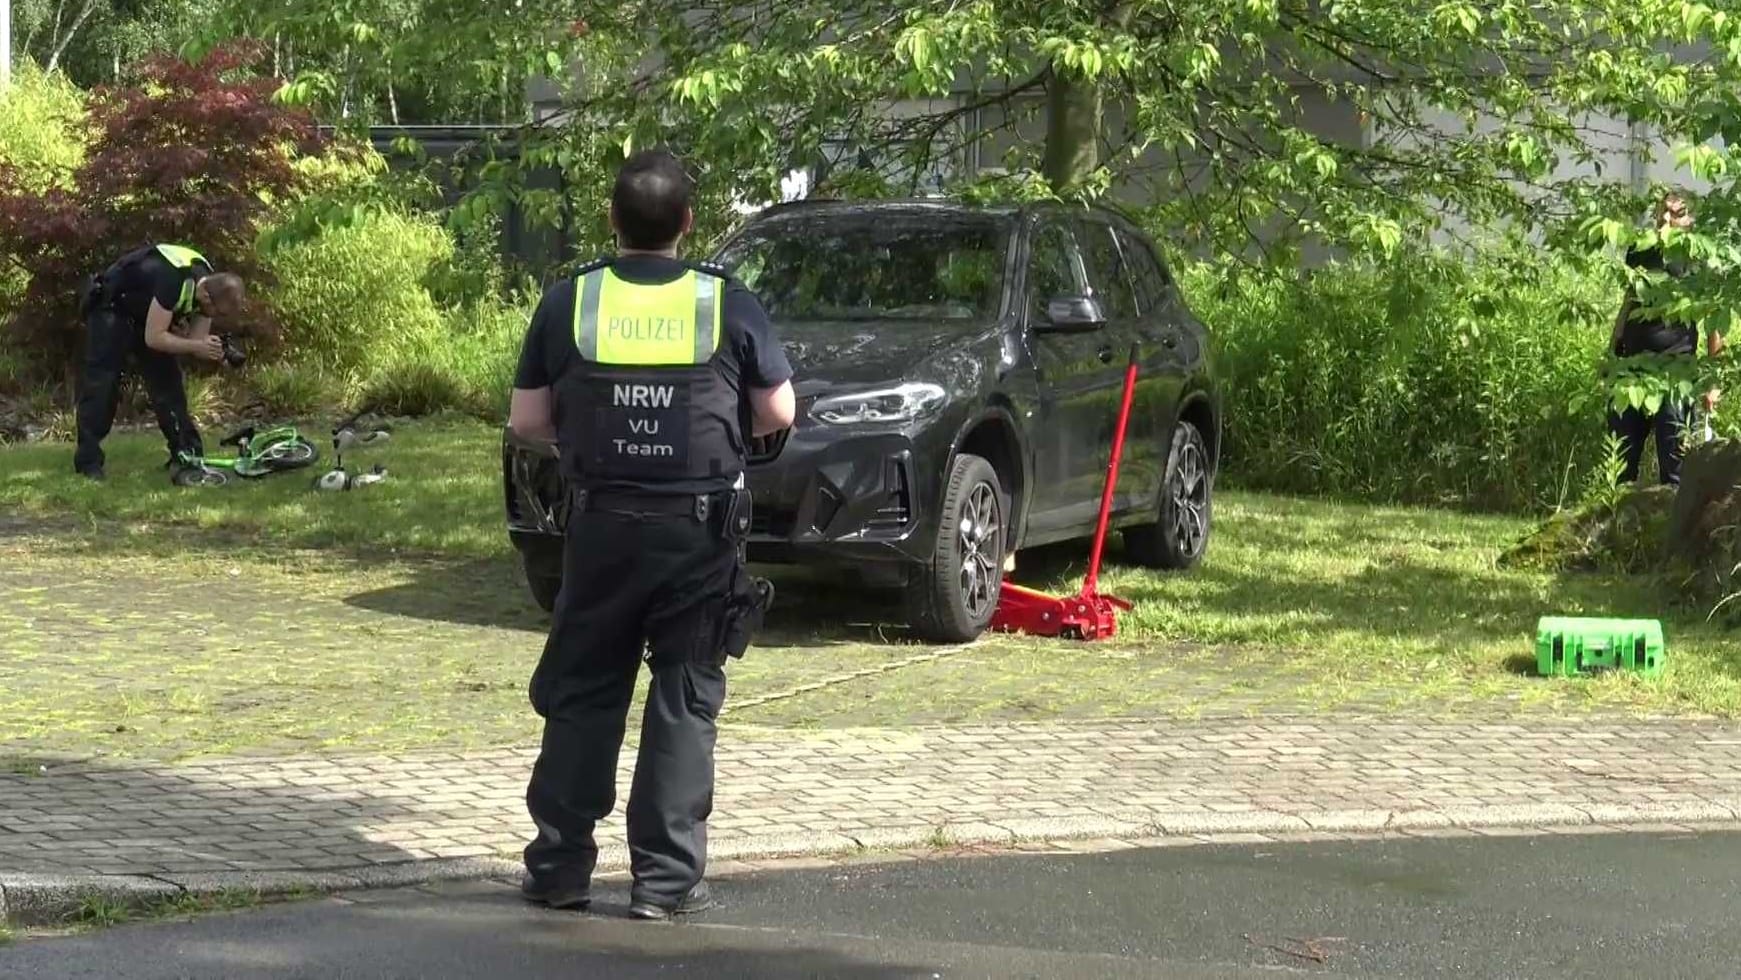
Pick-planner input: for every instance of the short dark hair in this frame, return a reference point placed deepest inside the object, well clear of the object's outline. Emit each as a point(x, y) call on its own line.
point(226, 291)
point(650, 200)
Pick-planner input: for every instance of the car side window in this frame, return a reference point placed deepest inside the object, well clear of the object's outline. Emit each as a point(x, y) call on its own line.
point(1108, 272)
point(1051, 266)
point(1152, 283)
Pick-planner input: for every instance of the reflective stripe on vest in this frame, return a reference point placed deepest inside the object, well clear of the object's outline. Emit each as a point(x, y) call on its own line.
point(621, 322)
point(184, 258)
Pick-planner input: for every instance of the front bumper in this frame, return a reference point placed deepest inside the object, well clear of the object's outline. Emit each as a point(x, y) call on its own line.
point(821, 496)
point(836, 497)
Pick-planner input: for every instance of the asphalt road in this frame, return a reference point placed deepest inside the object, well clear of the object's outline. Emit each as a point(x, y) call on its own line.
point(1637, 905)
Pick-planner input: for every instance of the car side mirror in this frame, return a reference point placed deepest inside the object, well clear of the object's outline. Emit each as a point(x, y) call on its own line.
point(1072, 314)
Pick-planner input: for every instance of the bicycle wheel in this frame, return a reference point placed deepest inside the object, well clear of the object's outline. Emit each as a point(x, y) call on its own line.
point(199, 477)
point(290, 454)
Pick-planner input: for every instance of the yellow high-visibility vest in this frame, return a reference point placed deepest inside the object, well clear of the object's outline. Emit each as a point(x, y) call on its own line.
point(621, 322)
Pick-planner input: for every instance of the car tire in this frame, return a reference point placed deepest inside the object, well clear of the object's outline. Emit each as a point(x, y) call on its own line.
point(542, 565)
point(1181, 537)
point(953, 598)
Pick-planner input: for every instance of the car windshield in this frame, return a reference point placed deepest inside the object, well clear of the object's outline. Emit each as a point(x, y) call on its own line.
point(874, 267)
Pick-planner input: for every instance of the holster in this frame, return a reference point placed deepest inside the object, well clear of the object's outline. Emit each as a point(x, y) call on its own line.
point(745, 608)
point(750, 598)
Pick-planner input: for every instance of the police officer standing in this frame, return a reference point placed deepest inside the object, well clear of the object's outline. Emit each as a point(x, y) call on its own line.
point(1636, 334)
point(131, 311)
point(649, 373)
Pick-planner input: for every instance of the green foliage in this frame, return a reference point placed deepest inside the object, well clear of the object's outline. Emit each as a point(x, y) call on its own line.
point(385, 309)
point(95, 42)
point(407, 61)
point(1362, 123)
point(350, 294)
point(40, 121)
point(291, 390)
point(468, 366)
point(1424, 379)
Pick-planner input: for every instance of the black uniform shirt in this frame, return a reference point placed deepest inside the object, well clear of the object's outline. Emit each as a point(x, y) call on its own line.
point(1652, 334)
point(756, 361)
point(144, 276)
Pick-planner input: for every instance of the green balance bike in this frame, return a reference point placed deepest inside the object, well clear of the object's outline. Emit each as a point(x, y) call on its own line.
point(260, 452)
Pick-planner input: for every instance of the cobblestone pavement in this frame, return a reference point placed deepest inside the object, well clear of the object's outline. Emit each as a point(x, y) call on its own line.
point(815, 793)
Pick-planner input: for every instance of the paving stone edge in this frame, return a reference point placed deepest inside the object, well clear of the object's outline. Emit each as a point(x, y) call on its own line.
point(50, 900)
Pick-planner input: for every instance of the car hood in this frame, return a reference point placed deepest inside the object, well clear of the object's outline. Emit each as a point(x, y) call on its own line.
point(851, 353)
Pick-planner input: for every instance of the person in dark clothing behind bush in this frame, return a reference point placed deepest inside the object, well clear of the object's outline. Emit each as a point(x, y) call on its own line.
point(152, 305)
point(1636, 334)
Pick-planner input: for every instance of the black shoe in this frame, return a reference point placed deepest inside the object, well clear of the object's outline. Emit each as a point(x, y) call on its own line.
point(557, 896)
point(699, 899)
point(92, 473)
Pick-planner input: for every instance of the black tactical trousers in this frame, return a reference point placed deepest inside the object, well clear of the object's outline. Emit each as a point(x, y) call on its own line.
point(111, 341)
point(658, 582)
point(1633, 427)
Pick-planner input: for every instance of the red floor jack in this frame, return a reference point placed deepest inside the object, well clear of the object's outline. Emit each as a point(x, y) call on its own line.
point(1087, 615)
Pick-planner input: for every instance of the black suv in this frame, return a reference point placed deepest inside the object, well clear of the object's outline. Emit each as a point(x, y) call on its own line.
point(959, 371)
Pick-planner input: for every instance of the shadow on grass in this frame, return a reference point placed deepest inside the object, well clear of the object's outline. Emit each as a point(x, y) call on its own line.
point(1522, 664)
point(484, 592)
point(808, 612)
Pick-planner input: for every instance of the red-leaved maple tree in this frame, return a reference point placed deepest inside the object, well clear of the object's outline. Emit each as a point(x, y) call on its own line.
point(191, 153)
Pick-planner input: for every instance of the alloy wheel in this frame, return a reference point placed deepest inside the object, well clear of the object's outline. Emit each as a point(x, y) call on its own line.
point(1190, 493)
point(981, 550)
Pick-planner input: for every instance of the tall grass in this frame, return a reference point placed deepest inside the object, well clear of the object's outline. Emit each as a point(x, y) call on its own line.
point(1424, 380)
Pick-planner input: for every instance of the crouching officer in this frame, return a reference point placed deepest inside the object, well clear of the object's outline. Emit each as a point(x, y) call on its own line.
point(645, 370)
point(132, 311)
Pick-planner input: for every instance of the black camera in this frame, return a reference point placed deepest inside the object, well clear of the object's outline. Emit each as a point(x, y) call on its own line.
point(233, 356)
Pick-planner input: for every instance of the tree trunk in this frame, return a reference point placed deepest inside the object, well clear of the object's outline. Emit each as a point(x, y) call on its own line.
point(71, 32)
point(345, 98)
point(1076, 116)
point(1074, 113)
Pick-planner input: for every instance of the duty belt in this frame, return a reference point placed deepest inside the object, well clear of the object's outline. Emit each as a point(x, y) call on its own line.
point(697, 505)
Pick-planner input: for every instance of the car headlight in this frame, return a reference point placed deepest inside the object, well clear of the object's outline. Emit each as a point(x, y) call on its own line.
point(901, 403)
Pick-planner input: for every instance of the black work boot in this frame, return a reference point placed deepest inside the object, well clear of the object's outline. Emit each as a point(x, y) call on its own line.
point(699, 899)
point(557, 895)
point(93, 472)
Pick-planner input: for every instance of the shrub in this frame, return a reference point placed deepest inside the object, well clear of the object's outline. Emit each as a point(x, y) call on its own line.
point(289, 390)
point(346, 297)
point(410, 386)
point(468, 367)
point(192, 153)
point(41, 119)
point(1425, 380)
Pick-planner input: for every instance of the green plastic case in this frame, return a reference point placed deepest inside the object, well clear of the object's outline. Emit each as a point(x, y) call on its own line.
point(1566, 645)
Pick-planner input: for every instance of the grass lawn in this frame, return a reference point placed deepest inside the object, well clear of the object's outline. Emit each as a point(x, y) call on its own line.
point(140, 619)
point(442, 497)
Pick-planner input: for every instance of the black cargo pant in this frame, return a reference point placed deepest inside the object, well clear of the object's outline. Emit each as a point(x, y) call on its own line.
point(112, 344)
point(1633, 427)
point(633, 581)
